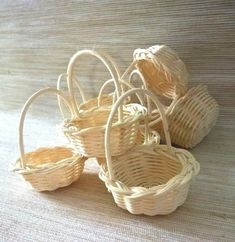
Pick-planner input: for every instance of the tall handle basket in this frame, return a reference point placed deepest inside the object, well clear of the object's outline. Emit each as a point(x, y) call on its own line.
point(86, 131)
point(151, 178)
point(47, 169)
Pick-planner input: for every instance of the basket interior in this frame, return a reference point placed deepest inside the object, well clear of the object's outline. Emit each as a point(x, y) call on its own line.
point(94, 119)
point(145, 167)
point(157, 78)
point(93, 102)
point(47, 155)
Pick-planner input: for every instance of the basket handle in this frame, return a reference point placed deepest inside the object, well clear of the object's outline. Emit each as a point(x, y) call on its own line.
point(60, 78)
point(24, 111)
point(123, 83)
point(154, 122)
point(119, 102)
point(108, 64)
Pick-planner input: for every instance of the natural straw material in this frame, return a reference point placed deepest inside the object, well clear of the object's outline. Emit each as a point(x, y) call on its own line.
point(150, 179)
point(87, 104)
point(163, 70)
point(191, 117)
point(155, 116)
point(86, 131)
point(47, 169)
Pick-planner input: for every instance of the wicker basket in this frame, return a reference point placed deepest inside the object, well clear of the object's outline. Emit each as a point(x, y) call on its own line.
point(86, 131)
point(150, 179)
point(47, 169)
point(163, 70)
point(191, 118)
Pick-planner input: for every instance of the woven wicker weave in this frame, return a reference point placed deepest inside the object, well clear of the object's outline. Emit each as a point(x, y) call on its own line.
point(150, 179)
point(191, 117)
point(86, 131)
point(163, 70)
point(47, 169)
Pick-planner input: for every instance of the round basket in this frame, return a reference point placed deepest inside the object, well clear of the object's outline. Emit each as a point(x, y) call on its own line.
point(164, 71)
point(86, 131)
point(191, 117)
point(150, 179)
point(47, 169)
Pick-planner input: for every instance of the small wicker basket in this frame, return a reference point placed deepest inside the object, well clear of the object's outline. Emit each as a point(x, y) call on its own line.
point(150, 179)
point(86, 131)
point(47, 169)
point(164, 71)
point(191, 117)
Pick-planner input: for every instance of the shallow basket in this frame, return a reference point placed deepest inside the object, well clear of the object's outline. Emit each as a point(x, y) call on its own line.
point(47, 168)
point(150, 179)
point(86, 131)
point(164, 71)
point(192, 117)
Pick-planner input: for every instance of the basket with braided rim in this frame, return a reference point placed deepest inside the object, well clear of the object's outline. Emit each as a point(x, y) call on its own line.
point(47, 168)
point(191, 118)
point(150, 179)
point(164, 71)
point(86, 131)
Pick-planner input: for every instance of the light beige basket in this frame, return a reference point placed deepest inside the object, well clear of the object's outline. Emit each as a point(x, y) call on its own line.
point(86, 131)
point(164, 71)
point(191, 118)
point(47, 169)
point(150, 179)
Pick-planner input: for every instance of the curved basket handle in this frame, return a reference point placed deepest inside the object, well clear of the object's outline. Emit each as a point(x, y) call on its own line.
point(108, 64)
point(119, 102)
point(138, 73)
point(24, 111)
point(60, 78)
point(123, 83)
point(169, 109)
point(128, 69)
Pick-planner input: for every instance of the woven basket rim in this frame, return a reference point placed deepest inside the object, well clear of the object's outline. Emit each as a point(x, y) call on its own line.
point(178, 179)
point(48, 166)
point(132, 117)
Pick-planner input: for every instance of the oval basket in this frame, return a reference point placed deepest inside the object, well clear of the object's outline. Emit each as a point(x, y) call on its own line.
point(150, 179)
point(191, 118)
point(86, 131)
point(164, 71)
point(47, 168)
